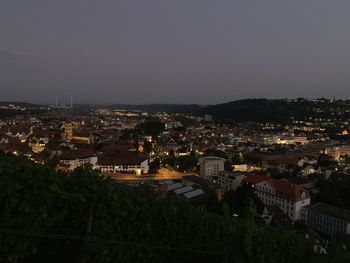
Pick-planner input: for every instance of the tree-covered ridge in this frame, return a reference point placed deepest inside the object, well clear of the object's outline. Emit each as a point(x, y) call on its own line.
point(49, 216)
point(10, 113)
point(6, 113)
point(169, 108)
point(281, 111)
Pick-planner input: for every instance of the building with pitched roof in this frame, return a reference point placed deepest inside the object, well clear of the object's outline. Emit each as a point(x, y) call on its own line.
point(71, 159)
point(126, 162)
point(289, 197)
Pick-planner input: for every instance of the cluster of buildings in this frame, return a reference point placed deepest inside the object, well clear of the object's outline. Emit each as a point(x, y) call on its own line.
point(71, 141)
point(281, 163)
point(286, 200)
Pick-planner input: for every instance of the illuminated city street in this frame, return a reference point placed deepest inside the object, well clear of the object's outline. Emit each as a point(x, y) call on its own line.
point(164, 174)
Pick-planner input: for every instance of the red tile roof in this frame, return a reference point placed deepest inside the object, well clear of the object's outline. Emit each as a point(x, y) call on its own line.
point(117, 148)
point(254, 179)
point(77, 154)
point(289, 160)
point(288, 190)
point(18, 129)
point(19, 148)
point(81, 134)
point(123, 158)
point(283, 188)
point(13, 140)
point(41, 133)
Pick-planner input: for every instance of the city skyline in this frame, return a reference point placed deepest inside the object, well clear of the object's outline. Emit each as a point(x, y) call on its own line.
point(174, 131)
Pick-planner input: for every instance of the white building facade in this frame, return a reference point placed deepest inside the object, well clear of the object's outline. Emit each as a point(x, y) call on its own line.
point(138, 168)
point(71, 164)
point(290, 198)
point(230, 180)
point(210, 167)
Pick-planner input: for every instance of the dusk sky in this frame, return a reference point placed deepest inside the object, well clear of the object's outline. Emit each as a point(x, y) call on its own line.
point(173, 51)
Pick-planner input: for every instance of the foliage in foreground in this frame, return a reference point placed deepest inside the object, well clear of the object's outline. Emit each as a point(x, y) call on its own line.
point(48, 216)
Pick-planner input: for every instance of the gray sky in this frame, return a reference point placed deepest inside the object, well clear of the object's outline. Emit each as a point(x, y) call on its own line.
point(173, 51)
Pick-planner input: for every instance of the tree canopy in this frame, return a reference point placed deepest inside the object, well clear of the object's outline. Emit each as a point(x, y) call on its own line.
point(151, 127)
point(50, 216)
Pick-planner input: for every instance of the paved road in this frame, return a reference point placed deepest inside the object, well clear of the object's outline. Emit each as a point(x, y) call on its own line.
point(164, 174)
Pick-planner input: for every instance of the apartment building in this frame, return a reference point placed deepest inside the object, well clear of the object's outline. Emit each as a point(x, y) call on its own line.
point(230, 180)
point(210, 167)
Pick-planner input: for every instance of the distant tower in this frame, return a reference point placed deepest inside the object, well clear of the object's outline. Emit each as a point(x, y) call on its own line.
point(56, 102)
point(71, 102)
